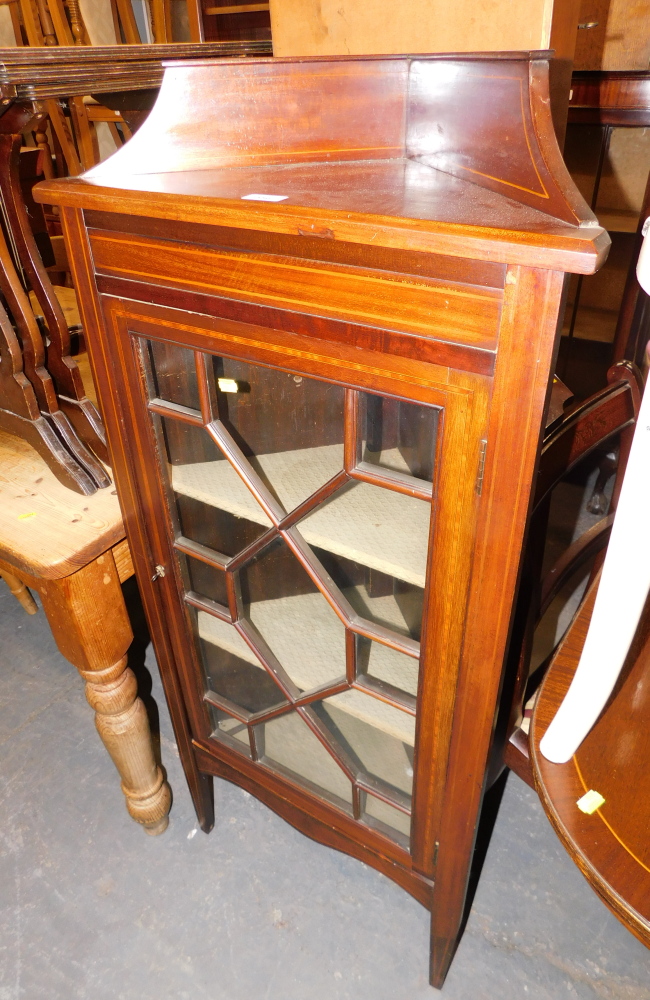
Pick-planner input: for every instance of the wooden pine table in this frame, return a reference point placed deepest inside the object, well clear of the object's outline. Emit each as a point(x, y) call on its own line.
point(71, 549)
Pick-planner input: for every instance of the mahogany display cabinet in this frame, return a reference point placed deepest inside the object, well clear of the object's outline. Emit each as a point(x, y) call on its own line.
point(321, 298)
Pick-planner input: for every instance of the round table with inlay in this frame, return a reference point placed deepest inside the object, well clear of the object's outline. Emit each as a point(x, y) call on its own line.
point(610, 845)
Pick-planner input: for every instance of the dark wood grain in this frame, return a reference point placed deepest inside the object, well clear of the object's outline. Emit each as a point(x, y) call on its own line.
point(585, 427)
point(62, 368)
point(606, 419)
point(468, 696)
point(441, 224)
point(471, 272)
point(28, 73)
point(452, 313)
point(31, 408)
point(20, 414)
point(405, 345)
point(610, 98)
point(416, 269)
point(390, 175)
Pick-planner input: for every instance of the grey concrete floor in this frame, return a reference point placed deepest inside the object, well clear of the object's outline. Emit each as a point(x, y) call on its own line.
point(91, 907)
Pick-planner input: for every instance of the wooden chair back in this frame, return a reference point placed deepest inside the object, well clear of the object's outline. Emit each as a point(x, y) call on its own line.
point(585, 427)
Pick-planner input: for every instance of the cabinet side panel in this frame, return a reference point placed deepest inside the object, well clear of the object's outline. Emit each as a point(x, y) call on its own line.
point(527, 346)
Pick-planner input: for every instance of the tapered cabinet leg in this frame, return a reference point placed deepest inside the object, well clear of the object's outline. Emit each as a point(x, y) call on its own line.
point(91, 627)
point(448, 912)
point(442, 952)
point(202, 792)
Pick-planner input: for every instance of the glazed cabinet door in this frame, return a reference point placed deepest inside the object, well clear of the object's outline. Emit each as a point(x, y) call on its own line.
point(311, 528)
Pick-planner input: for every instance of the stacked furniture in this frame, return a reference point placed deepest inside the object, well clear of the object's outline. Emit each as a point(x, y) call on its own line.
point(608, 153)
point(44, 399)
point(222, 20)
point(62, 532)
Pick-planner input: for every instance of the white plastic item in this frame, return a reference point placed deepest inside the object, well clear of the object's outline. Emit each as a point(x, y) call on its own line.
point(643, 263)
point(622, 593)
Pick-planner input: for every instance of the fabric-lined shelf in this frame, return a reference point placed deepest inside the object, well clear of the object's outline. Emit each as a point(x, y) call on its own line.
point(377, 527)
point(309, 641)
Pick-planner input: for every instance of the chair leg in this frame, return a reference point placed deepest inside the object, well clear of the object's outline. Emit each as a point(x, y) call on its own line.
point(20, 592)
point(598, 502)
point(90, 624)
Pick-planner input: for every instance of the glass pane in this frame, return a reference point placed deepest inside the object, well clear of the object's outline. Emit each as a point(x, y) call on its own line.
point(387, 665)
point(224, 635)
point(230, 730)
point(372, 542)
point(293, 617)
point(398, 436)
point(301, 447)
point(376, 750)
point(289, 745)
point(238, 680)
point(377, 596)
point(210, 526)
point(387, 818)
point(174, 374)
point(216, 483)
point(213, 505)
point(205, 580)
point(187, 445)
point(376, 527)
point(393, 727)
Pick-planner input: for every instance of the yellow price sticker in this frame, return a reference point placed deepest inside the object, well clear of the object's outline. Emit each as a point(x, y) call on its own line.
point(590, 801)
point(26, 517)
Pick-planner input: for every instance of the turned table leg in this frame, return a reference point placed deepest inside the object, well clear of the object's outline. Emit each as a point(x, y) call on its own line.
point(122, 723)
point(90, 624)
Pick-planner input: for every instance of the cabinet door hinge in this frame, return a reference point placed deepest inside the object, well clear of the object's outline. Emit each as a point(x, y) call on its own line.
point(481, 467)
point(435, 853)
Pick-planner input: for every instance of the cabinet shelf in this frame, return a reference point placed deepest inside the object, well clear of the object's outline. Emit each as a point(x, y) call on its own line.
point(308, 640)
point(371, 525)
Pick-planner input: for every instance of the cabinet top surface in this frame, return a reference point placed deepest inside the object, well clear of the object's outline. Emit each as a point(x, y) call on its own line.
point(451, 154)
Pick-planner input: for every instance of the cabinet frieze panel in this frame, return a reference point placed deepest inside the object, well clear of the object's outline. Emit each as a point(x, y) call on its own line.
point(428, 308)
